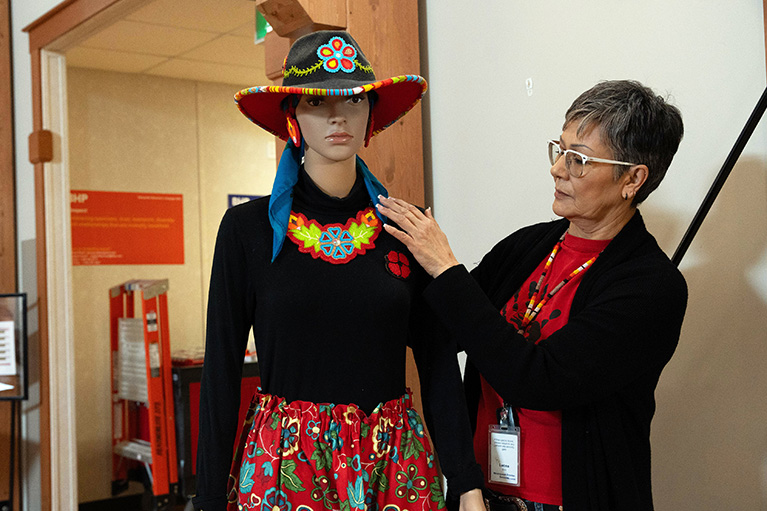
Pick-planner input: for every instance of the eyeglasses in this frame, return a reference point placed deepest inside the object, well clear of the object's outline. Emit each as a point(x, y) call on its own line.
point(575, 162)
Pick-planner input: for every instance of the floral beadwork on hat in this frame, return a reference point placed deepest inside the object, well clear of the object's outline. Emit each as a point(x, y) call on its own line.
point(335, 243)
point(337, 55)
point(330, 63)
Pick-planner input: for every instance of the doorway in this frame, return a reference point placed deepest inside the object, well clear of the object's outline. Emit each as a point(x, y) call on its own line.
point(139, 99)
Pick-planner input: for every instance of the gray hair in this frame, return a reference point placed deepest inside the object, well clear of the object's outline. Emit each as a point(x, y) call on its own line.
point(635, 123)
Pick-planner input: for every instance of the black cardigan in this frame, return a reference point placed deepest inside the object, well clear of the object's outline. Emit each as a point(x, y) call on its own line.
point(601, 369)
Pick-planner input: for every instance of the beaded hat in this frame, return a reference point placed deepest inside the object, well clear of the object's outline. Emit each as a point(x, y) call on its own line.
point(330, 63)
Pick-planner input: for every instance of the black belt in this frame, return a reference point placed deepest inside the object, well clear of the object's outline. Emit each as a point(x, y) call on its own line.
point(499, 502)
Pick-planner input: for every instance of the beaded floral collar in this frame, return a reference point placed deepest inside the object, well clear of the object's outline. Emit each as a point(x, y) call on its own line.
point(335, 243)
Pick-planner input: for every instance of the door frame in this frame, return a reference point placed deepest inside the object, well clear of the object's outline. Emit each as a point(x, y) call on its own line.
point(7, 211)
point(49, 36)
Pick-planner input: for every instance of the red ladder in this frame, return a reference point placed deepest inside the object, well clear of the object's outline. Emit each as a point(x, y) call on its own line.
point(158, 455)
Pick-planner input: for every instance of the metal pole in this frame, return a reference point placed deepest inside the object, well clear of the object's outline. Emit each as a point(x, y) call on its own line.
point(13, 454)
point(729, 163)
point(19, 457)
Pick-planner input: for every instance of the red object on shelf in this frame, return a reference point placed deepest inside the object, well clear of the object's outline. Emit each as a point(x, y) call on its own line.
point(249, 387)
point(186, 382)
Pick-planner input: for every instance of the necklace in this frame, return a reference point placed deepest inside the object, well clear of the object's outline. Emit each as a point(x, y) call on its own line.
point(533, 309)
point(334, 243)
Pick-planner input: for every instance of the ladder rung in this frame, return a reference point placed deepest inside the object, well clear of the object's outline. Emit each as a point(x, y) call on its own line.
point(139, 450)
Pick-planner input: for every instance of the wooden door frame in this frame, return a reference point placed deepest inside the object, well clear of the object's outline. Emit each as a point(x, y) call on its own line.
point(57, 30)
point(7, 158)
point(7, 213)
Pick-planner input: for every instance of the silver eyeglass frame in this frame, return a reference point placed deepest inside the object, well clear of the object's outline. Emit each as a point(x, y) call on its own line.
point(556, 152)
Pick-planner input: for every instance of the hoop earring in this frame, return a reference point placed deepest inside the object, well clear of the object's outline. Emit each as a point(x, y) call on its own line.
point(293, 131)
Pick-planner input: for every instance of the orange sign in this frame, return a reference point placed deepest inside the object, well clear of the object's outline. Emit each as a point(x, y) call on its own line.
point(126, 228)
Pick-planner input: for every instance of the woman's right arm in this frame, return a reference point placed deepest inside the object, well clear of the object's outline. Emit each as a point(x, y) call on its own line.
point(230, 309)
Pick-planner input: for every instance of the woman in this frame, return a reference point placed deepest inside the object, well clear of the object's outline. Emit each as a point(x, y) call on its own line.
point(590, 313)
point(333, 301)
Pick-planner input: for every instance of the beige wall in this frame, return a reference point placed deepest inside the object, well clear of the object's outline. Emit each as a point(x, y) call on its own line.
point(139, 133)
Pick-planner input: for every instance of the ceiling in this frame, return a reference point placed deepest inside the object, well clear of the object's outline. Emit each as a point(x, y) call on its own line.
point(199, 40)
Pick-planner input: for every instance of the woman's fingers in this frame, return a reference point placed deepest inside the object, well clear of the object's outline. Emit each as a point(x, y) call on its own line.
point(404, 214)
point(420, 233)
point(397, 205)
point(401, 236)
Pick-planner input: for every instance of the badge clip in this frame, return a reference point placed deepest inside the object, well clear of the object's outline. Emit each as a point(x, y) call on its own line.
point(503, 449)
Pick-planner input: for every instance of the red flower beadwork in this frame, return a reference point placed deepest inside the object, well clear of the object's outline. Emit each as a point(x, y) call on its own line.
point(398, 264)
point(337, 55)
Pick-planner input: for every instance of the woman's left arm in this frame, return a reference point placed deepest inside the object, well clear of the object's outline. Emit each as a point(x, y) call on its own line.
point(628, 328)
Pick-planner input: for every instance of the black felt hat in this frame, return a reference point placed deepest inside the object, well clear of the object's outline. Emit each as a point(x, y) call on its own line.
point(330, 63)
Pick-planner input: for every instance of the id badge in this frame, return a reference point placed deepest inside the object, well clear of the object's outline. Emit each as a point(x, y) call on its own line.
point(503, 455)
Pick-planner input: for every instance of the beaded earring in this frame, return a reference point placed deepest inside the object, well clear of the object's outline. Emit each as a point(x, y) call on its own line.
point(294, 131)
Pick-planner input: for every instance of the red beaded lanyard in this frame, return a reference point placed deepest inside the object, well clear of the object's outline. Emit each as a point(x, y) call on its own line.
point(532, 309)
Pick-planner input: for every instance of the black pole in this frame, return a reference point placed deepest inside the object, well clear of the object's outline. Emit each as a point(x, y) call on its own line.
point(13, 453)
point(19, 472)
point(729, 163)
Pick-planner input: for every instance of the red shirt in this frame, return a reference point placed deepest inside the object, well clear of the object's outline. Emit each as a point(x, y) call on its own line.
point(541, 431)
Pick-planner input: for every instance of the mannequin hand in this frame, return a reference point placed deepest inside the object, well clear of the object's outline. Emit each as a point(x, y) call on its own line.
point(472, 501)
point(420, 233)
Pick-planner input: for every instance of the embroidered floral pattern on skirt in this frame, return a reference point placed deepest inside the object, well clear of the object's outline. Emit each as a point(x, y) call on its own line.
point(303, 456)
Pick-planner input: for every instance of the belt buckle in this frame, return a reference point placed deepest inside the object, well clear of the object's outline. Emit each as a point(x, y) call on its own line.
point(519, 503)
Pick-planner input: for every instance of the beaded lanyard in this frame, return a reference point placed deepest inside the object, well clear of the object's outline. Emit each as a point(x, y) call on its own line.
point(532, 309)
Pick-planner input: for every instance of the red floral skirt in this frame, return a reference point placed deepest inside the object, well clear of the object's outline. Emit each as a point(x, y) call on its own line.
point(303, 456)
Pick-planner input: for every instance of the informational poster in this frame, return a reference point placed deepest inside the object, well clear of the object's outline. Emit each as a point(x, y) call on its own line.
point(126, 228)
point(13, 346)
point(7, 348)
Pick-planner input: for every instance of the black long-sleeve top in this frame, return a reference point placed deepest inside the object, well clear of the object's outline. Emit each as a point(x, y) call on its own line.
point(325, 333)
point(601, 369)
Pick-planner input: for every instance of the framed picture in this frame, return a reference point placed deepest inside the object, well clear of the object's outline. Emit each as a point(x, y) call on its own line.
point(13, 346)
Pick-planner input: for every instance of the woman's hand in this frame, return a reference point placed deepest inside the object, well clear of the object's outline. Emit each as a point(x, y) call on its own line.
point(422, 235)
point(472, 501)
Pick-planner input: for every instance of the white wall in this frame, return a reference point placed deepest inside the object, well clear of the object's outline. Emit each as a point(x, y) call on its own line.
point(24, 12)
point(491, 176)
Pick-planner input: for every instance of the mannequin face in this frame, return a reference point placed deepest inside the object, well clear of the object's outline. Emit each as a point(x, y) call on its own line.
point(333, 126)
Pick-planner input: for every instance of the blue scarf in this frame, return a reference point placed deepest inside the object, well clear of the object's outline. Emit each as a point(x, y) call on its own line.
point(281, 201)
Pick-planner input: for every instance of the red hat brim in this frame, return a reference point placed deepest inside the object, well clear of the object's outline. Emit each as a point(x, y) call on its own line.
point(396, 96)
